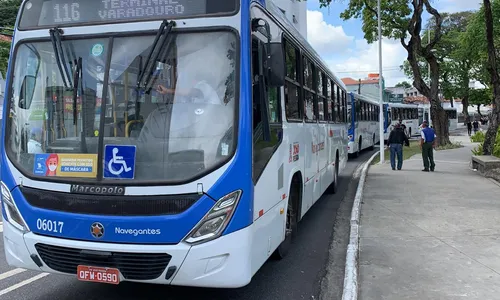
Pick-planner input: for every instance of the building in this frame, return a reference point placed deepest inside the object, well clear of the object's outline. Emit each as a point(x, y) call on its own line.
point(296, 12)
point(368, 86)
point(397, 94)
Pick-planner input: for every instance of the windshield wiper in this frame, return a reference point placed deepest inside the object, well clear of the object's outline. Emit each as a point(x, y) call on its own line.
point(78, 82)
point(163, 33)
point(55, 36)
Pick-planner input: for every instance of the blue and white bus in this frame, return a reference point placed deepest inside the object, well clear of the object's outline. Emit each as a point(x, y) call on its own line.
point(451, 113)
point(168, 142)
point(364, 127)
point(406, 114)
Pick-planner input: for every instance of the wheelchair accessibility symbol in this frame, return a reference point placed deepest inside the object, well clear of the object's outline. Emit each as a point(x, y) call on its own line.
point(119, 161)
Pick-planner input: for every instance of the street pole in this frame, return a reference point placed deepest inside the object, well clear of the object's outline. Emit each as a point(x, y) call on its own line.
point(381, 91)
point(429, 72)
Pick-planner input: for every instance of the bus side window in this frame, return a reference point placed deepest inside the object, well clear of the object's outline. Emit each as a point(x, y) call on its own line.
point(263, 150)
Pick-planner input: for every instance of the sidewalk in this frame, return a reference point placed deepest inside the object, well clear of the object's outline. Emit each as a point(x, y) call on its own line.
point(430, 235)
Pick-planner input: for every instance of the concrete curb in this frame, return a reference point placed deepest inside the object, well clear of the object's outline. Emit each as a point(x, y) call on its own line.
point(350, 291)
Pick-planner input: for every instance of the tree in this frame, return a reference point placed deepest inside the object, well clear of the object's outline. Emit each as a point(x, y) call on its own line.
point(480, 97)
point(454, 55)
point(4, 56)
point(403, 84)
point(400, 19)
point(491, 133)
point(8, 12)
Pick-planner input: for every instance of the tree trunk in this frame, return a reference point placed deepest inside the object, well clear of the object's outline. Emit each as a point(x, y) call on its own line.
point(491, 133)
point(440, 124)
point(479, 110)
point(465, 108)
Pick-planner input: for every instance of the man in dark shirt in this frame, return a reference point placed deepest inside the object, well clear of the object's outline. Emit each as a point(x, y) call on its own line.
point(396, 139)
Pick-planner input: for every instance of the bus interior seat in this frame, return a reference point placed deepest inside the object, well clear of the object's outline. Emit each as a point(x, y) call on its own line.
point(154, 150)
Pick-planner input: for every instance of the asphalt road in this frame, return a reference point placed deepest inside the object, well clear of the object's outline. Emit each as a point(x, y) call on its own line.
point(298, 276)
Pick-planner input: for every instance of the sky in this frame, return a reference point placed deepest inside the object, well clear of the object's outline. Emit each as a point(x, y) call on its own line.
point(343, 47)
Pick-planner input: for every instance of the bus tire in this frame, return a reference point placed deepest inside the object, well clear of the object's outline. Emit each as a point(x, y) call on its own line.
point(359, 147)
point(333, 187)
point(372, 147)
point(292, 219)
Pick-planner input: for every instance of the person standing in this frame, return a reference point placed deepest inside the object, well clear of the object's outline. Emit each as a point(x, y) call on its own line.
point(469, 127)
point(395, 141)
point(427, 144)
point(476, 126)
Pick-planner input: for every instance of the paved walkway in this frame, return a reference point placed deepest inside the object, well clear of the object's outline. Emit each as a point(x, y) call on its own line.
point(430, 235)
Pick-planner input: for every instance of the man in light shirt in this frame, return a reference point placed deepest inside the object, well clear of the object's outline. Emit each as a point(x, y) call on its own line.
point(34, 143)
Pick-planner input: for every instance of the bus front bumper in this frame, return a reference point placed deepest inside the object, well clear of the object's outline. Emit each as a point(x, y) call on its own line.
point(352, 147)
point(221, 263)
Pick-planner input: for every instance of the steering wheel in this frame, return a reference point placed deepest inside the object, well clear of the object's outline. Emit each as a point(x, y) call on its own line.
point(195, 93)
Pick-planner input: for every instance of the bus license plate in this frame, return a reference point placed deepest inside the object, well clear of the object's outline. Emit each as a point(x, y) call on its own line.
point(97, 274)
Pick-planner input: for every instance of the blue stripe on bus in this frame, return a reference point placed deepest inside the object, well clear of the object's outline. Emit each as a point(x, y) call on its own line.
point(351, 130)
point(8, 179)
point(239, 176)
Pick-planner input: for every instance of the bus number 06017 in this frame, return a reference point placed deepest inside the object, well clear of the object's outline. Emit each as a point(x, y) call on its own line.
point(49, 225)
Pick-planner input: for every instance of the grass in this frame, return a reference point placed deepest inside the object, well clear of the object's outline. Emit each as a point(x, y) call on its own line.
point(478, 137)
point(407, 152)
point(450, 146)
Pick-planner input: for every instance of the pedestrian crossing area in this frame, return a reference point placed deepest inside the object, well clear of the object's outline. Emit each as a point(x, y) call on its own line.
point(11, 278)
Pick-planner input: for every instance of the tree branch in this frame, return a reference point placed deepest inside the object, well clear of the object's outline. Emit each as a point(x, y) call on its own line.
point(439, 23)
point(373, 10)
point(404, 44)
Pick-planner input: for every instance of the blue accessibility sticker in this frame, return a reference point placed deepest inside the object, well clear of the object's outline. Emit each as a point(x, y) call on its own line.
point(119, 161)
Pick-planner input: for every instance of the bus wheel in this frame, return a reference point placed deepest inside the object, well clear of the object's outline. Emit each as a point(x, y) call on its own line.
point(333, 187)
point(359, 148)
point(372, 147)
point(291, 223)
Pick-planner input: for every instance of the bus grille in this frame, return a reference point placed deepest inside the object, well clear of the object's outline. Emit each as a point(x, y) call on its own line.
point(151, 205)
point(133, 266)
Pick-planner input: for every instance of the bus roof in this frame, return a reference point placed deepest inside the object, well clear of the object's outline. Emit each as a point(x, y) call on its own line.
point(402, 105)
point(293, 33)
point(366, 98)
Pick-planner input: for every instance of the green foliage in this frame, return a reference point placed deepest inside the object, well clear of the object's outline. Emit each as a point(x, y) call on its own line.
point(404, 84)
point(478, 137)
point(479, 149)
point(455, 56)
point(480, 96)
point(4, 56)
point(395, 17)
point(475, 38)
point(8, 12)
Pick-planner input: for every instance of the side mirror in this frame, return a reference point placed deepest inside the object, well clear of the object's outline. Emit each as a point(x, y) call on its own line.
point(276, 65)
point(27, 91)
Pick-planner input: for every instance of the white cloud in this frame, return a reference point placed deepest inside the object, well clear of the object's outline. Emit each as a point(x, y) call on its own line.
point(452, 6)
point(364, 60)
point(350, 57)
point(324, 37)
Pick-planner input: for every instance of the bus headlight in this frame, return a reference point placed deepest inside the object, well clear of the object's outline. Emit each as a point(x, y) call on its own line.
point(215, 221)
point(13, 215)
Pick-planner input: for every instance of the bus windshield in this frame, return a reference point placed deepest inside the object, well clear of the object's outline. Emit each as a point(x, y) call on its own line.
point(181, 127)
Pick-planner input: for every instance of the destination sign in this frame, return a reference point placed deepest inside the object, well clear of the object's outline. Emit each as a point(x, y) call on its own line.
point(46, 13)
